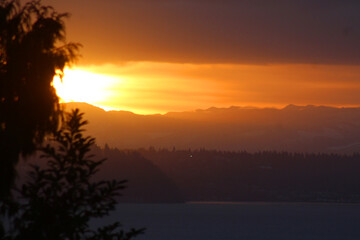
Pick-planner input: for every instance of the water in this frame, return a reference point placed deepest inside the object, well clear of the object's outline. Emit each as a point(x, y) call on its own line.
point(248, 221)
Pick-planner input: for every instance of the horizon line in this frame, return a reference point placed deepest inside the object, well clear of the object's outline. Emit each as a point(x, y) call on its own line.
point(249, 107)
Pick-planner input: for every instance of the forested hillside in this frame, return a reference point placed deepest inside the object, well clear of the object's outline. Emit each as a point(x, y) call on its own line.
point(162, 175)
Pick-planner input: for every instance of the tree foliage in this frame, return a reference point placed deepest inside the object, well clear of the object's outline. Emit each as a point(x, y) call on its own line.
point(32, 51)
point(59, 201)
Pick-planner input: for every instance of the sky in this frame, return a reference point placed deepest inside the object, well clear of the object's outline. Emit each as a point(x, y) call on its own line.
point(175, 55)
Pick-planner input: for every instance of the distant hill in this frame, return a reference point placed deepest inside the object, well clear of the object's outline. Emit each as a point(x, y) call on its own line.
point(293, 128)
point(146, 181)
point(169, 176)
point(210, 175)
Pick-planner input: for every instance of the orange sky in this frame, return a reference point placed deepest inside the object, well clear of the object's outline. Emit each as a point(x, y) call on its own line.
point(159, 56)
point(150, 87)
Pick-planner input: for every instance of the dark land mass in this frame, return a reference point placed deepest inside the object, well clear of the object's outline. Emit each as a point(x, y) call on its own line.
point(162, 175)
point(145, 181)
point(203, 175)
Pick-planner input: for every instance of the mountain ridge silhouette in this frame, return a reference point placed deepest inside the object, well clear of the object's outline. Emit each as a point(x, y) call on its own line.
point(292, 128)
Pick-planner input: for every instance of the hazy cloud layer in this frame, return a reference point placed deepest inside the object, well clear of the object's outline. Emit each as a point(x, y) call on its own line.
point(215, 31)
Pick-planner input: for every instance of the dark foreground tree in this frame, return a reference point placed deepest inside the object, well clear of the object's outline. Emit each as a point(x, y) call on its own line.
point(32, 51)
point(59, 201)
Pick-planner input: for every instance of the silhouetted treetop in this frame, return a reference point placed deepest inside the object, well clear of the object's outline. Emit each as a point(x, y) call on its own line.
point(59, 200)
point(33, 50)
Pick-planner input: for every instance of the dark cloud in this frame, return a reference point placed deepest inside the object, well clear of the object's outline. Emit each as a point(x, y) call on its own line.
point(216, 31)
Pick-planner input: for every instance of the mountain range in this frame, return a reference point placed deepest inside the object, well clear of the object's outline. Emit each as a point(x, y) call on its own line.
point(292, 128)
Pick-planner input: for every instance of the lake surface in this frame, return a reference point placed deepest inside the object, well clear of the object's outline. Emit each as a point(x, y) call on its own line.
point(237, 221)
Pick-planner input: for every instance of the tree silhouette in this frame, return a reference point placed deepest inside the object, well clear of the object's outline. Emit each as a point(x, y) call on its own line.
point(58, 201)
point(32, 50)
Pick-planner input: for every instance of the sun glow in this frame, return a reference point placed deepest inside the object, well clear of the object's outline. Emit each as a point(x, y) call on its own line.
point(153, 87)
point(78, 85)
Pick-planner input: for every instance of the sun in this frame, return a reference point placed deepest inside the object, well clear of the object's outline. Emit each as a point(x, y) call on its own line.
point(79, 85)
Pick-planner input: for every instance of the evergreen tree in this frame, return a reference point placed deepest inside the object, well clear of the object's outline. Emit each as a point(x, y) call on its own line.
point(59, 201)
point(32, 51)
